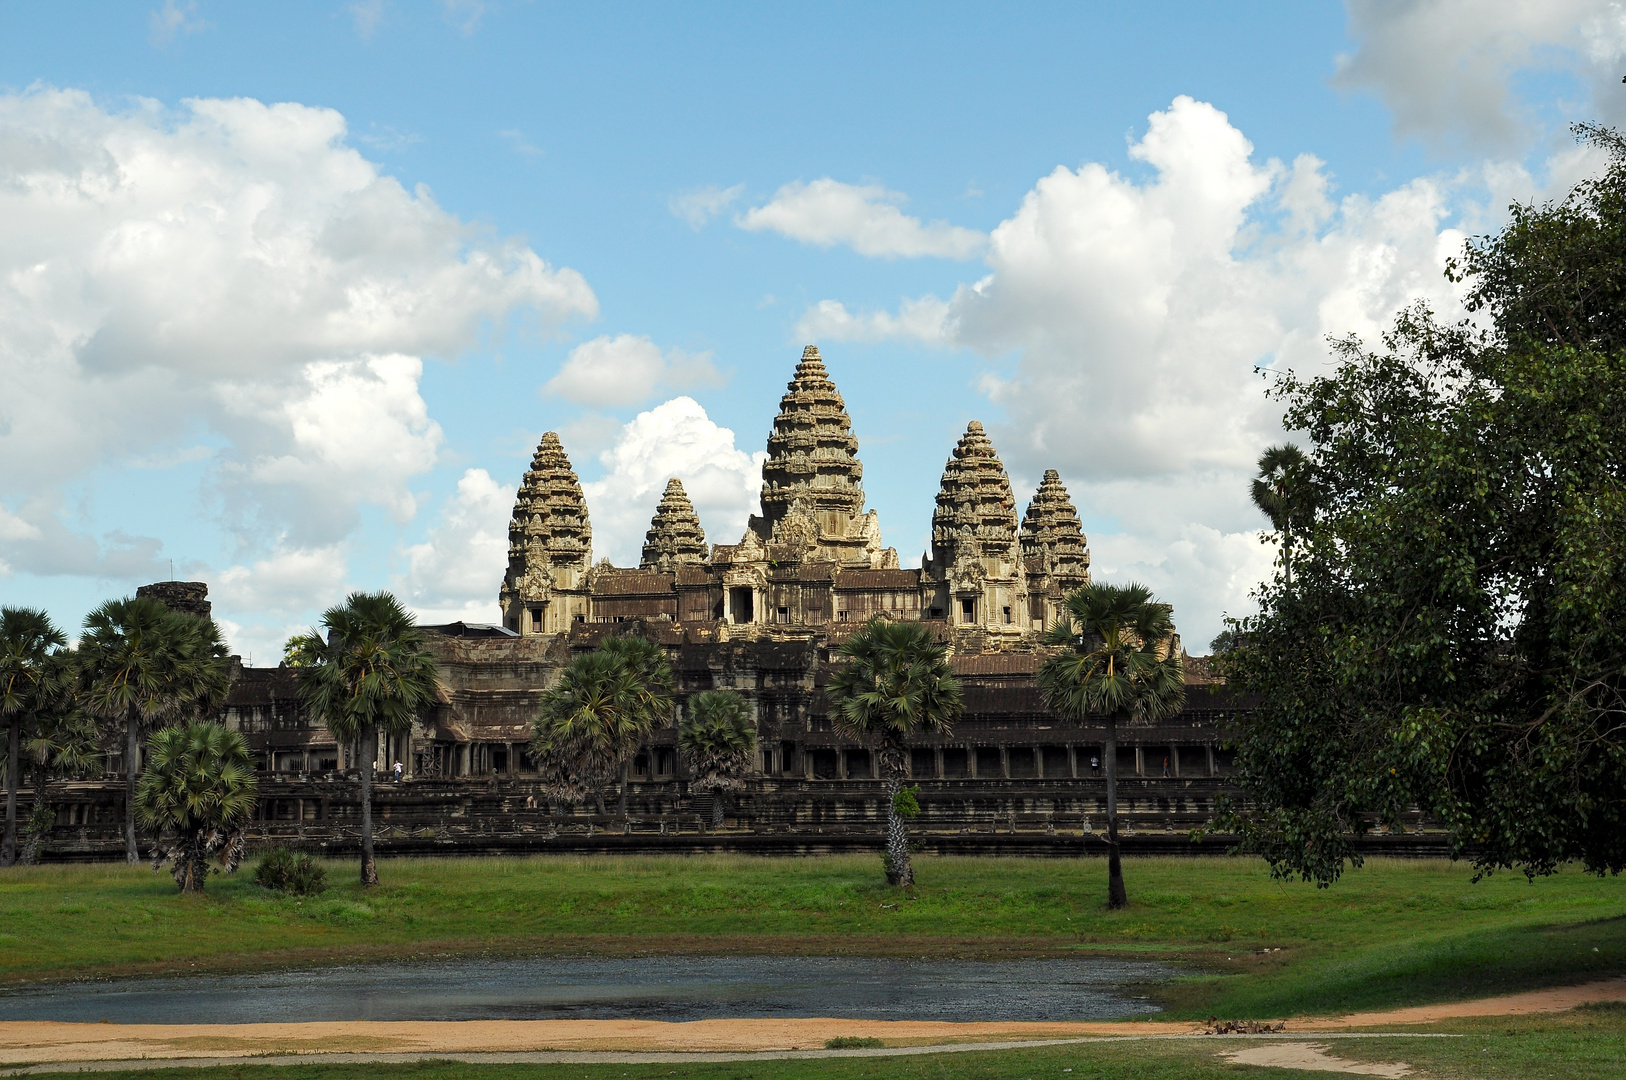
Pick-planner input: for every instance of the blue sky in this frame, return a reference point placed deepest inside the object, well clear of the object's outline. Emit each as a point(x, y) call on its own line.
point(288, 293)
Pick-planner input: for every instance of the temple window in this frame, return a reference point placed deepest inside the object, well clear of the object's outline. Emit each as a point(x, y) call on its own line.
point(968, 611)
point(1007, 614)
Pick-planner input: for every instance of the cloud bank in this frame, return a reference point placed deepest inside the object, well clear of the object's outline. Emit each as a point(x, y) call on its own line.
point(231, 281)
point(1131, 320)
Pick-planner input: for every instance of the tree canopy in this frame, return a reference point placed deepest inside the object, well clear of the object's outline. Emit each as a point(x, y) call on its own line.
point(1124, 662)
point(142, 665)
point(603, 706)
point(1454, 635)
point(894, 679)
point(198, 792)
point(368, 668)
point(35, 684)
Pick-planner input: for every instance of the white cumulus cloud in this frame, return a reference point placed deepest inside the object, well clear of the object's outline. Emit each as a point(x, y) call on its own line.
point(455, 573)
point(676, 438)
point(235, 269)
point(626, 370)
point(1131, 318)
point(865, 217)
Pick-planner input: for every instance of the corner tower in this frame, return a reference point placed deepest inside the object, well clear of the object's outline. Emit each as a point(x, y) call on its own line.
point(976, 560)
point(812, 482)
point(1055, 553)
point(550, 547)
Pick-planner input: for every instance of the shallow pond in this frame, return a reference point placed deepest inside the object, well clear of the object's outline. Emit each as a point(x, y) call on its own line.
point(651, 988)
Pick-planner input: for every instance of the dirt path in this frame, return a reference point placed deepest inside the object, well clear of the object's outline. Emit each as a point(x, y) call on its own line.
point(28, 1042)
point(1555, 999)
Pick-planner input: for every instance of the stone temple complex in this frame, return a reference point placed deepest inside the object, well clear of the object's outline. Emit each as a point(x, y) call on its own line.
point(759, 614)
point(811, 565)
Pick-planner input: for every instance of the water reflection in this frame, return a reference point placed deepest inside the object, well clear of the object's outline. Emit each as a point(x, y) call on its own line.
point(651, 988)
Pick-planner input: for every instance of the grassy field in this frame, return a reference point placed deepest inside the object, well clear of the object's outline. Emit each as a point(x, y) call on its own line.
point(1587, 1044)
point(1396, 932)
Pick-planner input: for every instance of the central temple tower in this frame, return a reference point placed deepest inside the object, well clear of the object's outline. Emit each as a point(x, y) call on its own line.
point(812, 482)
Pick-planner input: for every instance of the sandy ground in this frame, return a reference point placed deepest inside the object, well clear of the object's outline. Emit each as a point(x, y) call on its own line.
point(1556, 999)
point(28, 1042)
point(1311, 1058)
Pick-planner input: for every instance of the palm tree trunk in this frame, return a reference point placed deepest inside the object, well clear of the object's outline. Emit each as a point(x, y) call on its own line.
point(621, 800)
point(899, 871)
point(369, 751)
point(36, 838)
point(8, 848)
point(1116, 897)
point(132, 855)
point(717, 808)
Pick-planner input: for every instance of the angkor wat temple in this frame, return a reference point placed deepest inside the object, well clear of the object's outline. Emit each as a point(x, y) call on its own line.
point(759, 616)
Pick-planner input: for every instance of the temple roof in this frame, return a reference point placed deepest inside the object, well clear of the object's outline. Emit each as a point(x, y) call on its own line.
point(675, 536)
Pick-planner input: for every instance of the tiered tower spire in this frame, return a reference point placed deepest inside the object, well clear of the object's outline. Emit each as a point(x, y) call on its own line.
point(675, 535)
point(1054, 549)
point(812, 482)
point(550, 546)
point(975, 552)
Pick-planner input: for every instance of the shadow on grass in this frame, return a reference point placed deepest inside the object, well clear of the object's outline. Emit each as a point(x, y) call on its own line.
point(1448, 967)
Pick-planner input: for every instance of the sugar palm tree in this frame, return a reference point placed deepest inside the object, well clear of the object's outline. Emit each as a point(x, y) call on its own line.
point(141, 665)
point(368, 669)
point(718, 736)
point(32, 680)
point(656, 687)
point(198, 793)
point(64, 741)
point(1282, 493)
point(893, 681)
point(1124, 664)
point(602, 708)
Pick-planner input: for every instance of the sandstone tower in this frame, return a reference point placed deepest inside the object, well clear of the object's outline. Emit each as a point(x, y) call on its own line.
point(976, 560)
point(1054, 552)
point(812, 482)
point(675, 535)
point(550, 547)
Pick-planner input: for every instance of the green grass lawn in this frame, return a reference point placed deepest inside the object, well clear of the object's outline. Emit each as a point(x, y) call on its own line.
point(1587, 1044)
point(1395, 932)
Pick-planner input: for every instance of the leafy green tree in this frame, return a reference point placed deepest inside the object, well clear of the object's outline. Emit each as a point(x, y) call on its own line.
point(65, 742)
point(1124, 665)
point(595, 716)
point(1454, 640)
point(368, 669)
point(719, 737)
point(198, 793)
point(893, 680)
point(141, 665)
point(32, 683)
